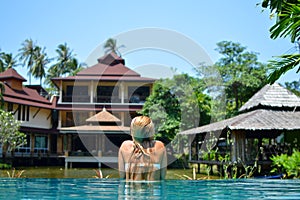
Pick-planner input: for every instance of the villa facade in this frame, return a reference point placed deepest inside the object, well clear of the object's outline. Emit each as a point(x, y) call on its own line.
point(62, 126)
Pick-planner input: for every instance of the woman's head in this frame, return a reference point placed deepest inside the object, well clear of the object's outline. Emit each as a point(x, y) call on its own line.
point(142, 128)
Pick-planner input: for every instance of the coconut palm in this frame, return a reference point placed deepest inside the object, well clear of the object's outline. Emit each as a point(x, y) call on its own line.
point(26, 55)
point(75, 67)
point(2, 69)
point(39, 64)
point(63, 66)
point(2, 91)
point(8, 61)
point(287, 25)
point(111, 46)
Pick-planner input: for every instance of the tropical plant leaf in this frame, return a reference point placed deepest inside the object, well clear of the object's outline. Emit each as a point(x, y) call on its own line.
point(281, 66)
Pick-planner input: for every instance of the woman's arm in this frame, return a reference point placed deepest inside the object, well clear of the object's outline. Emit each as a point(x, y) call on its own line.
point(163, 169)
point(121, 163)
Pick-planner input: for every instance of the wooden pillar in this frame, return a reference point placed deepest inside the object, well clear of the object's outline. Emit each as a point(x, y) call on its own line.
point(59, 145)
point(49, 144)
point(60, 92)
point(92, 92)
point(122, 92)
point(32, 142)
point(69, 142)
point(238, 146)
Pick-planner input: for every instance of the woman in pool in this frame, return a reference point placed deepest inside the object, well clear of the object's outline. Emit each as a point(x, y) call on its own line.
point(143, 158)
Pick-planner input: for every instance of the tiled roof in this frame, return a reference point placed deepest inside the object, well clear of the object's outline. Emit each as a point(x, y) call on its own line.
point(110, 67)
point(89, 128)
point(25, 96)
point(274, 96)
point(103, 116)
point(11, 73)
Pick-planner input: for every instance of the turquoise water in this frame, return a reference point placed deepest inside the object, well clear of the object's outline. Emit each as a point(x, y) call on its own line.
point(27, 188)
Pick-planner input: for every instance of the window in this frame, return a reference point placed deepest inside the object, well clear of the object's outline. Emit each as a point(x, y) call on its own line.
point(77, 90)
point(23, 112)
point(138, 94)
point(77, 94)
point(107, 94)
point(41, 143)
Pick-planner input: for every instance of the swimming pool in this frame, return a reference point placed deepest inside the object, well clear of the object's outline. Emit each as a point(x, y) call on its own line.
point(26, 188)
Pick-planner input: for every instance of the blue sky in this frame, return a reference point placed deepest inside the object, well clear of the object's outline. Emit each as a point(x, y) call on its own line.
point(86, 24)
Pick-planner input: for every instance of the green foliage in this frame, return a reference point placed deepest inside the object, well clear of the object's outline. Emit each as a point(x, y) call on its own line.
point(241, 74)
point(293, 87)
point(177, 104)
point(5, 166)
point(290, 165)
point(9, 131)
point(287, 25)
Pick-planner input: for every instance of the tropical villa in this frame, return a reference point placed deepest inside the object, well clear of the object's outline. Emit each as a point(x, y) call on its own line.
point(89, 118)
point(268, 124)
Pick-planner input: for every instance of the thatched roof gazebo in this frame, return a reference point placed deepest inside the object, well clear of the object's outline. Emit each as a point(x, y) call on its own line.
point(269, 124)
point(102, 132)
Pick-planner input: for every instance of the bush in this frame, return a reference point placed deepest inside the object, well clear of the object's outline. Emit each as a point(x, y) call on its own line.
point(289, 165)
point(5, 166)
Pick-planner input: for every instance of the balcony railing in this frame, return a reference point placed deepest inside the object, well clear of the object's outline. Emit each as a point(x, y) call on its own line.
point(83, 99)
point(103, 99)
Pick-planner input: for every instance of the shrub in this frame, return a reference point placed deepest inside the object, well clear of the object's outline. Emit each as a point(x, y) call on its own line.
point(289, 165)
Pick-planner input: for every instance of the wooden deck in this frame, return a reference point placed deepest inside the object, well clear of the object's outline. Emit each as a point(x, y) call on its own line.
point(89, 159)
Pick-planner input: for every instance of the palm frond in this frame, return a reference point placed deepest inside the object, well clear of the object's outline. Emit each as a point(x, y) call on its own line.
point(282, 65)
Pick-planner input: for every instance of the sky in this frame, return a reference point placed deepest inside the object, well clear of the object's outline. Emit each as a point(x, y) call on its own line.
point(166, 34)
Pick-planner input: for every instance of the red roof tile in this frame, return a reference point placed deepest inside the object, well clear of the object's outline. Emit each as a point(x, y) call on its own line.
point(108, 65)
point(109, 68)
point(11, 73)
point(103, 116)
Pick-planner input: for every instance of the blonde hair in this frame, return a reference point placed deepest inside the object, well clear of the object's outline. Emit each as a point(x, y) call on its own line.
point(142, 128)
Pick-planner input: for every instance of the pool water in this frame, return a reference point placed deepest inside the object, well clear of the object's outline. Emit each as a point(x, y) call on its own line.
point(32, 188)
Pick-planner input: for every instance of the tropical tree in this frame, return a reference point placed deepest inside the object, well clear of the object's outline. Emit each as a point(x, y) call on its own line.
point(177, 104)
point(40, 62)
point(241, 73)
point(287, 24)
point(66, 64)
point(111, 46)
point(27, 54)
point(10, 136)
point(2, 69)
point(293, 86)
point(2, 91)
point(64, 61)
point(8, 61)
point(75, 67)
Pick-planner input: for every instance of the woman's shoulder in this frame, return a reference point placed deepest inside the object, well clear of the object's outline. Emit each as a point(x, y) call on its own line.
point(159, 144)
point(126, 145)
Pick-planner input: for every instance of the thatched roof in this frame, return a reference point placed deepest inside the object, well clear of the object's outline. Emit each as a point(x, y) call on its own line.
point(255, 120)
point(272, 96)
point(95, 129)
point(103, 116)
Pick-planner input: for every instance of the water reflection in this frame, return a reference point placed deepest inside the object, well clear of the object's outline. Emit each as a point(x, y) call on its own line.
point(135, 189)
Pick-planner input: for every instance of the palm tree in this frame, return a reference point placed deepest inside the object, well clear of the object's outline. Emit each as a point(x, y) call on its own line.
point(63, 66)
point(39, 64)
point(111, 46)
point(287, 25)
point(75, 67)
point(2, 91)
point(2, 69)
point(26, 55)
point(66, 64)
point(8, 61)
